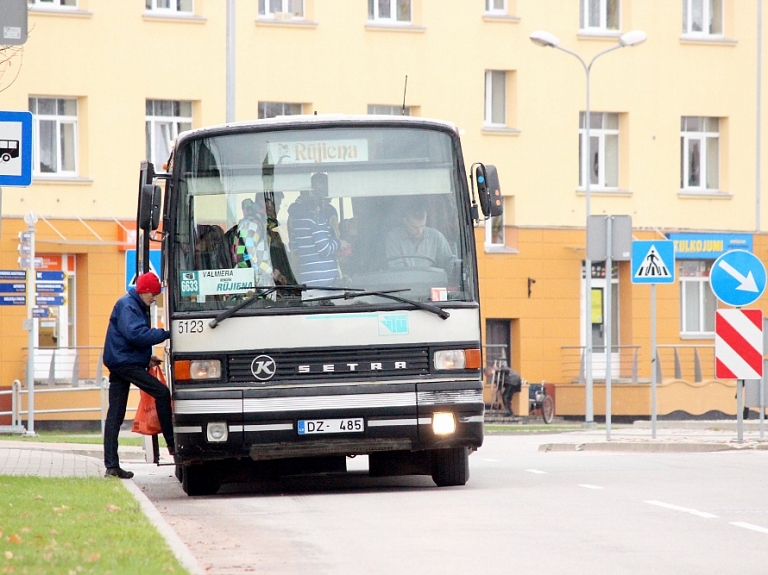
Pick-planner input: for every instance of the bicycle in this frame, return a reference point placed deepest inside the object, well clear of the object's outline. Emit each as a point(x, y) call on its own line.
point(539, 400)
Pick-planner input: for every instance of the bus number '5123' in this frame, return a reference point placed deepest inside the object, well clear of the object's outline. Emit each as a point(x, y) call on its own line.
point(191, 326)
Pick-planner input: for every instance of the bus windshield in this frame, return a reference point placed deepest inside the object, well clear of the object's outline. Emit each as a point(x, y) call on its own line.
point(369, 208)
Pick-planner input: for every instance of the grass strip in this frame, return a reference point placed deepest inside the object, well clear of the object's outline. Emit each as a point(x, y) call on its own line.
point(77, 526)
point(79, 438)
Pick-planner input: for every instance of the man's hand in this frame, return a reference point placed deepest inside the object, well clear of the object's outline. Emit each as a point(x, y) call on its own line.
point(154, 361)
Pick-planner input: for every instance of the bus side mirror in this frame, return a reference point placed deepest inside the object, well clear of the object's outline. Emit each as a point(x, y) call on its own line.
point(495, 201)
point(489, 190)
point(149, 207)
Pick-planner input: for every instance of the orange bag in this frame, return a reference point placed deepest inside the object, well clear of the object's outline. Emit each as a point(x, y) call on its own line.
point(146, 421)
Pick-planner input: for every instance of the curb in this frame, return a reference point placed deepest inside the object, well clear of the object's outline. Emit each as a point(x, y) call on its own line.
point(657, 447)
point(177, 546)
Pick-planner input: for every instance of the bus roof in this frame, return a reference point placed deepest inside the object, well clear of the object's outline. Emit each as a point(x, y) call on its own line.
point(329, 120)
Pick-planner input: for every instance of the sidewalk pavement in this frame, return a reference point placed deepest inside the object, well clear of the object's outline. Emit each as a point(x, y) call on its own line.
point(86, 460)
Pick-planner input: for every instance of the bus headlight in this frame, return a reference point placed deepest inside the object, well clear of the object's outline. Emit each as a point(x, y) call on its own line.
point(217, 431)
point(443, 423)
point(450, 359)
point(197, 369)
point(457, 359)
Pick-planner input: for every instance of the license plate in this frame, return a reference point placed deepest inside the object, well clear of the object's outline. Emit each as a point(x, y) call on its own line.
point(348, 425)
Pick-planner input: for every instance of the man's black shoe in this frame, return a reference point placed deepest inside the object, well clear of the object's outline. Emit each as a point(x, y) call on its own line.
point(171, 449)
point(508, 414)
point(118, 472)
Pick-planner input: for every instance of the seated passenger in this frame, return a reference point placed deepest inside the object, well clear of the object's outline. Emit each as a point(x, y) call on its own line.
point(414, 244)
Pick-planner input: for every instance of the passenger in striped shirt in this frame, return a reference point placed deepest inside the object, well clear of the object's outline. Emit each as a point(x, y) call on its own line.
point(313, 236)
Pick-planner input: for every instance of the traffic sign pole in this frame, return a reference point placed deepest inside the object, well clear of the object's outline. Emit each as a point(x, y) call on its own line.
point(31, 325)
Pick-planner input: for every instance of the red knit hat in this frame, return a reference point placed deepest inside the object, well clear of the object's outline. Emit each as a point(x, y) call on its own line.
point(148, 283)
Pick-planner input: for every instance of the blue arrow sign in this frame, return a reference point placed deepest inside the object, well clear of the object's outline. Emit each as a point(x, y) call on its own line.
point(13, 300)
point(50, 276)
point(41, 312)
point(13, 275)
point(737, 278)
point(13, 288)
point(653, 262)
point(50, 288)
point(50, 300)
point(15, 148)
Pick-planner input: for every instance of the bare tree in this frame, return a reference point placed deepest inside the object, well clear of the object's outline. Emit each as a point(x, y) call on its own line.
point(11, 58)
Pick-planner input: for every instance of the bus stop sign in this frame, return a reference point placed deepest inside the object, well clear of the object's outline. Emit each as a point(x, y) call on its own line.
point(15, 149)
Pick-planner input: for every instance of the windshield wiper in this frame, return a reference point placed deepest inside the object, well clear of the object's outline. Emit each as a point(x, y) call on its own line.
point(353, 293)
point(261, 293)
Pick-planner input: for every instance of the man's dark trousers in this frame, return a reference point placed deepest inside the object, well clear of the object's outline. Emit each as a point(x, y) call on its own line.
point(120, 380)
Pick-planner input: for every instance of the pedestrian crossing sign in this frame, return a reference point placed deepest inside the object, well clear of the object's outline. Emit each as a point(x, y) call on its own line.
point(653, 262)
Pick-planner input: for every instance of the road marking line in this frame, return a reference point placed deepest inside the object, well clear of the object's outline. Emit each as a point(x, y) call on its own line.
point(683, 509)
point(536, 471)
point(588, 486)
point(750, 526)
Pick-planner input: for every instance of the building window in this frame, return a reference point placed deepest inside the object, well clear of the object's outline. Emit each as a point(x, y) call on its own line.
point(385, 110)
point(700, 153)
point(496, 7)
point(494, 233)
point(703, 17)
point(697, 302)
point(52, 3)
point(281, 9)
point(389, 11)
point(274, 109)
point(165, 120)
point(173, 6)
point(495, 98)
point(602, 163)
point(600, 15)
point(55, 135)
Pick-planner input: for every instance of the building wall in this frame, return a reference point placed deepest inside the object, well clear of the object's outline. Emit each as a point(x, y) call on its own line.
point(113, 56)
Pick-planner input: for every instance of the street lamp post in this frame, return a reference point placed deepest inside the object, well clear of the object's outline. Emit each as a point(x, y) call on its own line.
point(547, 40)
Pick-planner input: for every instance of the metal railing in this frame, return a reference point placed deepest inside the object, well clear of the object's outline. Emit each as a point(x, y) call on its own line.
point(624, 363)
point(687, 362)
point(17, 394)
point(78, 365)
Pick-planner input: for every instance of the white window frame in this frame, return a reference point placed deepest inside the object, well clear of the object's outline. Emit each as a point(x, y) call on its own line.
point(690, 137)
point(374, 15)
point(602, 16)
point(706, 18)
point(706, 318)
point(171, 124)
point(492, 9)
point(598, 131)
point(498, 242)
point(174, 7)
point(60, 121)
point(288, 10)
point(286, 109)
point(495, 80)
point(52, 4)
point(388, 110)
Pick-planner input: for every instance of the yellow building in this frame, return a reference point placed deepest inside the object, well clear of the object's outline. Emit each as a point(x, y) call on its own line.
point(673, 130)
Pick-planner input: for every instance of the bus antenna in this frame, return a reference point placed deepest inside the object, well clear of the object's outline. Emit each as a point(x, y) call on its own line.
point(405, 89)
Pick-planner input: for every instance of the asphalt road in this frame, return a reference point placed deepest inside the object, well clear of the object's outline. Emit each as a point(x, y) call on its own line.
point(523, 511)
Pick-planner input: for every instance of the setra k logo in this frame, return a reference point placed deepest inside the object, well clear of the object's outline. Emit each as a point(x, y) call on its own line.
point(263, 367)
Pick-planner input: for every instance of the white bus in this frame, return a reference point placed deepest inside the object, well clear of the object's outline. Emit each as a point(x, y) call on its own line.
point(321, 290)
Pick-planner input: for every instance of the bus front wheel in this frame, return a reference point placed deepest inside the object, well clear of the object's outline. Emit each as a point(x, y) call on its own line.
point(450, 466)
point(200, 480)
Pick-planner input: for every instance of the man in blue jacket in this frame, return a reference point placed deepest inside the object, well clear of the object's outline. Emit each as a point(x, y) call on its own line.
point(127, 355)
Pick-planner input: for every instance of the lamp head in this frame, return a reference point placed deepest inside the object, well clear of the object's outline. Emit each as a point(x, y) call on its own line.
point(633, 38)
point(545, 39)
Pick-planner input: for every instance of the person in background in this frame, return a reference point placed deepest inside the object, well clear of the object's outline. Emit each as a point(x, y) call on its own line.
point(251, 242)
point(128, 355)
